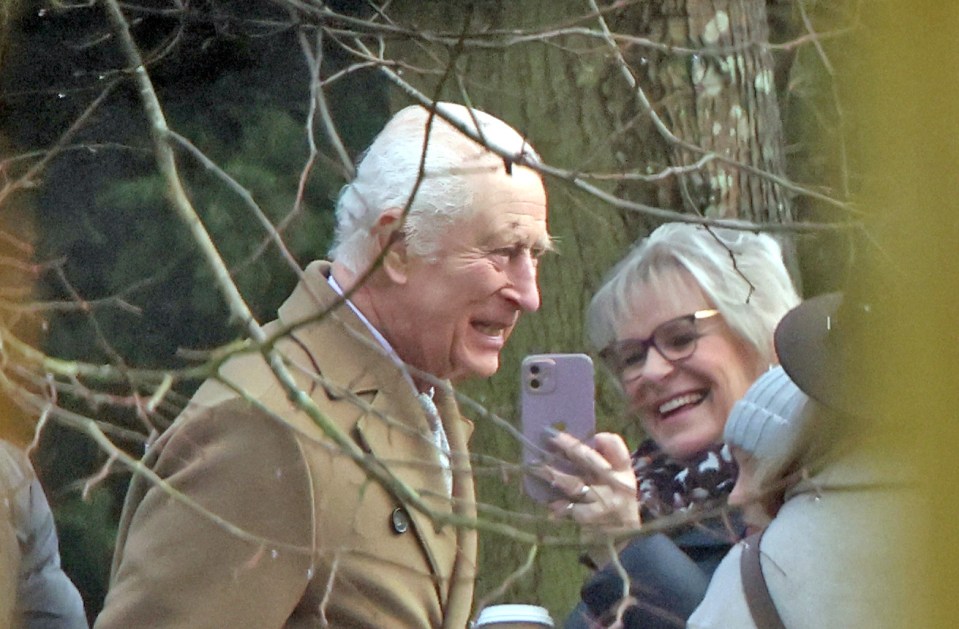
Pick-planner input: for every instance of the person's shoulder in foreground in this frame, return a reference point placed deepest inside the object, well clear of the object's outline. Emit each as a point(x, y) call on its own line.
point(35, 593)
point(825, 499)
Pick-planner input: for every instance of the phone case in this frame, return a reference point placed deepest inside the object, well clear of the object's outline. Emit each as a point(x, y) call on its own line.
point(556, 391)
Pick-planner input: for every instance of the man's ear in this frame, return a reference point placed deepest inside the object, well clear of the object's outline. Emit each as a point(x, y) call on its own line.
point(389, 234)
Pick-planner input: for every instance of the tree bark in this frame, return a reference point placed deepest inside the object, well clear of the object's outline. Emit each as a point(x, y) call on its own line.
point(722, 98)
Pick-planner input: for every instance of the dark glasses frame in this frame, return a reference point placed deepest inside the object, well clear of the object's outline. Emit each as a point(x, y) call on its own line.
point(615, 354)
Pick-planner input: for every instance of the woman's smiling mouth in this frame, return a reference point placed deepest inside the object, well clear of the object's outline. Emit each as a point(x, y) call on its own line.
point(680, 401)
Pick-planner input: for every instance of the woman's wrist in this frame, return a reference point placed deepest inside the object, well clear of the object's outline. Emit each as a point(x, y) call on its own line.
point(598, 554)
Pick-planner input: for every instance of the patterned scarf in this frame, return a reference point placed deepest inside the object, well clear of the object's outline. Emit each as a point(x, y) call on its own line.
point(666, 486)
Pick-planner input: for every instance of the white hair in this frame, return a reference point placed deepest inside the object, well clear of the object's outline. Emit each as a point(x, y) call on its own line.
point(387, 173)
point(740, 272)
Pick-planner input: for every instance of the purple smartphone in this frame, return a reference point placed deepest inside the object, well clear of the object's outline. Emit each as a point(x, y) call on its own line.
point(556, 391)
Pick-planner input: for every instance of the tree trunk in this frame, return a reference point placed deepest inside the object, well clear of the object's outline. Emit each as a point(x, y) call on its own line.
point(722, 99)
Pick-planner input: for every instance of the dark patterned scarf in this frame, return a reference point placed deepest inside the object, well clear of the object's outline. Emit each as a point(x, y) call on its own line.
point(665, 486)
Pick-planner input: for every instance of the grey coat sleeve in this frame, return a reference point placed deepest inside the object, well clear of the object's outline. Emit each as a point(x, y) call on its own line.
point(46, 598)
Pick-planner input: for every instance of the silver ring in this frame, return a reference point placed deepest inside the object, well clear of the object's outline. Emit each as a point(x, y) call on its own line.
point(585, 489)
point(569, 507)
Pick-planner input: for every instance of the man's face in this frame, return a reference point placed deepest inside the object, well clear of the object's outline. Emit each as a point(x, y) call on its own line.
point(458, 310)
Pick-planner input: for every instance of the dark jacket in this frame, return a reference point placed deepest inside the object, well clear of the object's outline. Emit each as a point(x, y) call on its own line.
point(668, 574)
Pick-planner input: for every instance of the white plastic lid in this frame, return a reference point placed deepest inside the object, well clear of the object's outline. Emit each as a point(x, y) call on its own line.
point(514, 613)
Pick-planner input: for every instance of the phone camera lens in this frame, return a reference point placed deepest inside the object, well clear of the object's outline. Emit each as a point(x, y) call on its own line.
point(534, 369)
point(534, 383)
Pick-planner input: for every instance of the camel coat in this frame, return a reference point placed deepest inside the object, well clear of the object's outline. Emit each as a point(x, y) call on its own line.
point(297, 534)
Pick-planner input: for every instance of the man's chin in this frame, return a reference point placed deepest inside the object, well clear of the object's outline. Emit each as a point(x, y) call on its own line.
point(475, 369)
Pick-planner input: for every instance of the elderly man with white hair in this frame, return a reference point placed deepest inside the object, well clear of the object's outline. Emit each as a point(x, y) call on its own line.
point(436, 254)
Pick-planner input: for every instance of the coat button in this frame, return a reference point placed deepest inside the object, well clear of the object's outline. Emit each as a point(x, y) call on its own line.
point(400, 520)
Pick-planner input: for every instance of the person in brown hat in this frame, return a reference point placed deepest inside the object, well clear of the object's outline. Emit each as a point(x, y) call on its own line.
point(825, 501)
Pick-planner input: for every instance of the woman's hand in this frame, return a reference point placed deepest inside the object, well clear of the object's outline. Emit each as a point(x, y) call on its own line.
point(602, 491)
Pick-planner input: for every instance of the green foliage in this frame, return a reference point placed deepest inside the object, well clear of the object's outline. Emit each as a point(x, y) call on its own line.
point(265, 158)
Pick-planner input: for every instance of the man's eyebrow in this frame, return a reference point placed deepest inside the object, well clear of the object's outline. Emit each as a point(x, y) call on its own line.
point(506, 234)
point(511, 235)
point(546, 243)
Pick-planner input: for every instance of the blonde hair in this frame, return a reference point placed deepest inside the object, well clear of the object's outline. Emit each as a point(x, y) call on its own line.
point(741, 273)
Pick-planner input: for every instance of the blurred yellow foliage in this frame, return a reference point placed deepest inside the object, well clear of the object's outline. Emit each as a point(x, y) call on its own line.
point(17, 283)
point(909, 103)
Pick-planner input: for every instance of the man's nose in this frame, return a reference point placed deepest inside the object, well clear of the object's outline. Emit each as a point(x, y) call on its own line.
point(523, 288)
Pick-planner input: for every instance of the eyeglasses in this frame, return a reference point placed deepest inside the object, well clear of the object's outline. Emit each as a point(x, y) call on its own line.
point(674, 340)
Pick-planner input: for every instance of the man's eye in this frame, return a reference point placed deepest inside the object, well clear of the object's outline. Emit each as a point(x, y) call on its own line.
point(515, 252)
point(506, 252)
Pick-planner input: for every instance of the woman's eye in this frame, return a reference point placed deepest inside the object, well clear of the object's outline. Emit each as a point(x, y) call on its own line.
point(634, 358)
point(681, 340)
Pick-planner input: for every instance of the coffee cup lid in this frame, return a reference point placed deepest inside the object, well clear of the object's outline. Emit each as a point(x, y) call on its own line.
point(514, 613)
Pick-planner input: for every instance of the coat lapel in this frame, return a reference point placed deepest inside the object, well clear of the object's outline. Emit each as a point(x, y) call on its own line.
point(463, 575)
point(394, 428)
point(396, 432)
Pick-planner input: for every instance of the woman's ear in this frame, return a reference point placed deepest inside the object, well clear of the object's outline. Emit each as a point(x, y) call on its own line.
point(390, 237)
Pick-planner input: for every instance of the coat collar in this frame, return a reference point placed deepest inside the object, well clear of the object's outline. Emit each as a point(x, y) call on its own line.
point(351, 356)
point(395, 428)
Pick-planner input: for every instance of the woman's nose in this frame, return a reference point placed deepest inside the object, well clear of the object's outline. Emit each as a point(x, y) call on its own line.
point(737, 497)
point(656, 365)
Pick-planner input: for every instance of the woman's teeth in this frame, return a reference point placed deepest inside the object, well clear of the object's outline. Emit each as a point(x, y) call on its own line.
point(677, 402)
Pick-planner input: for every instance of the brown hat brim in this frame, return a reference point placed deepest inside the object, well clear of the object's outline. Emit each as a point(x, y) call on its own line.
point(812, 350)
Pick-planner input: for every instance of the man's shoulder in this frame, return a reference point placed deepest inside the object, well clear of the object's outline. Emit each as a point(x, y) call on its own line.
point(250, 376)
point(248, 401)
point(230, 423)
point(330, 360)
